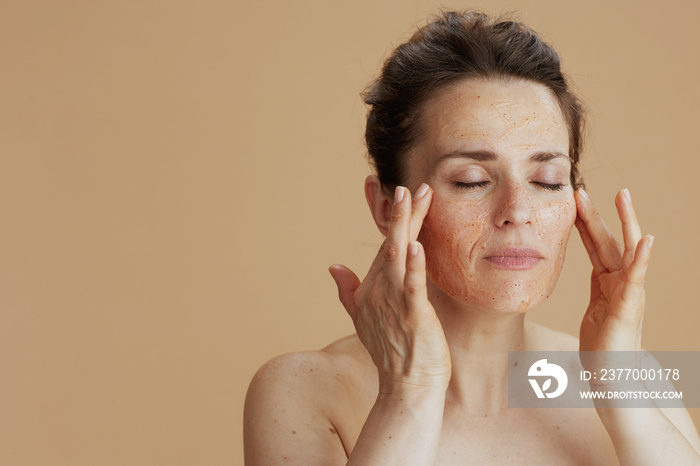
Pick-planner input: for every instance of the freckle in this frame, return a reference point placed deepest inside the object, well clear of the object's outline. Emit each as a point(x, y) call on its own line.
point(558, 428)
point(516, 363)
point(486, 415)
point(294, 432)
point(390, 436)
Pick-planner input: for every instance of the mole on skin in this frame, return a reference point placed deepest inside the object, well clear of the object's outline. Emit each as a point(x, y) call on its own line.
point(514, 120)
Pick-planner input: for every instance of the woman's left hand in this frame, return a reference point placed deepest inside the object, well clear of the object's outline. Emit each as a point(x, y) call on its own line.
point(613, 320)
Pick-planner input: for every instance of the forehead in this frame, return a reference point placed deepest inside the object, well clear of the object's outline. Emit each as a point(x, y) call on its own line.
point(513, 118)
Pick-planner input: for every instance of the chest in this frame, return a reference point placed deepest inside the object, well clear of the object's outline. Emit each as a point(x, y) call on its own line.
point(517, 437)
point(547, 437)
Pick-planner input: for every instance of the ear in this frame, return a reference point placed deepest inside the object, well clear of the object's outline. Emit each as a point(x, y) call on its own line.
point(379, 203)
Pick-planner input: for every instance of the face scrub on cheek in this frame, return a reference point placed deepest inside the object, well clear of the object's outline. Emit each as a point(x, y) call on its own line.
point(456, 236)
point(450, 244)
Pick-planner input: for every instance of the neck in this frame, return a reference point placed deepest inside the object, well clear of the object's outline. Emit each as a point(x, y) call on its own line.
point(479, 342)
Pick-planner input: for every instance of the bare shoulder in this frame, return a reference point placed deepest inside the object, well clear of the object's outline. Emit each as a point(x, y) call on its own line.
point(290, 406)
point(313, 370)
point(678, 416)
point(543, 338)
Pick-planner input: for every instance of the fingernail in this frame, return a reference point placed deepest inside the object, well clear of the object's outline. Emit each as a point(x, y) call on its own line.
point(422, 189)
point(584, 200)
point(398, 194)
point(651, 241)
point(584, 195)
point(627, 194)
point(413, 248)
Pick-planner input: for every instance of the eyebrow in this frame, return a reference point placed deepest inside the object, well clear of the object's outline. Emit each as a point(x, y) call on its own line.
point(488, 156)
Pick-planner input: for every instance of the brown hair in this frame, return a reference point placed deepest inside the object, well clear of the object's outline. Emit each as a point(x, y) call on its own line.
point(452, 47)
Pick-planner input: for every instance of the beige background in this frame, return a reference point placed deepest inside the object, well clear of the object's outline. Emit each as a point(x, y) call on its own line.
point(176, 176)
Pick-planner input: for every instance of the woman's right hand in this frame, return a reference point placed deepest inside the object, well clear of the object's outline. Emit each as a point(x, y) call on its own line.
point(390, 308)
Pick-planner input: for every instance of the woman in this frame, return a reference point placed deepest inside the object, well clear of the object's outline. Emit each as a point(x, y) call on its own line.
point(475, 138)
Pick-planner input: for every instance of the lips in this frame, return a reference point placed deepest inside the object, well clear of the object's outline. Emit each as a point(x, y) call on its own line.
point(514, 258)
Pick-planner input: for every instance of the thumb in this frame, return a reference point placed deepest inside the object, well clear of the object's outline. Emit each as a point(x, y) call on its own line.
point(347, 282)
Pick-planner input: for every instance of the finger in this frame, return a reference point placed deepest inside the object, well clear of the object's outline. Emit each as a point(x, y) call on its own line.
point(394, 248)
point(347, 283)
point(633, 291)
point(595, 313)
point(595, 290)
point(605, 243)
point(588, 243)
point(419, 209)
point(642, 256)
point(631, 232)
point(414, 282)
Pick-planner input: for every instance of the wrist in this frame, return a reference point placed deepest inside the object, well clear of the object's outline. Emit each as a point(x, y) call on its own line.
point(417, 403)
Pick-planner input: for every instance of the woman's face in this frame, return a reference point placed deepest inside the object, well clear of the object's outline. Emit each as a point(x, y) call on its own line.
point(496, 155)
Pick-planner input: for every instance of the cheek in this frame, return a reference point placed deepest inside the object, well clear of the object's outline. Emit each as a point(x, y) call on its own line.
point(451, 232)
point(555, 221)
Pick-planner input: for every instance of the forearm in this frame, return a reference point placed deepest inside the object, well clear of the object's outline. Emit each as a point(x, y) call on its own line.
point(401, 429)
point(645, 436)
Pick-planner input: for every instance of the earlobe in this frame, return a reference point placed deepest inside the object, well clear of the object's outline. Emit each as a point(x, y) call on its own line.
point(379, 203)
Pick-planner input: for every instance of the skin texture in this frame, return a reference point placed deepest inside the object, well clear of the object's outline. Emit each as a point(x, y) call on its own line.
point(512, 120)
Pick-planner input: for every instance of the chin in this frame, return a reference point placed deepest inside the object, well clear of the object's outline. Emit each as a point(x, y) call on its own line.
point(517, 302)
point(501, 297)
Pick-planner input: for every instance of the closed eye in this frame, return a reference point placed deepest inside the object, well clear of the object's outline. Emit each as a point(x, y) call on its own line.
point(550, 186)
point(472, 185)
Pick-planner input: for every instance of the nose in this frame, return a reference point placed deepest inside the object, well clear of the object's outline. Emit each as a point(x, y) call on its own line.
point(514, 206)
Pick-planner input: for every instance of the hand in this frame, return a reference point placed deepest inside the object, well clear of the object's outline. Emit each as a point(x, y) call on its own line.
point(613, 320)
point(390, 309)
